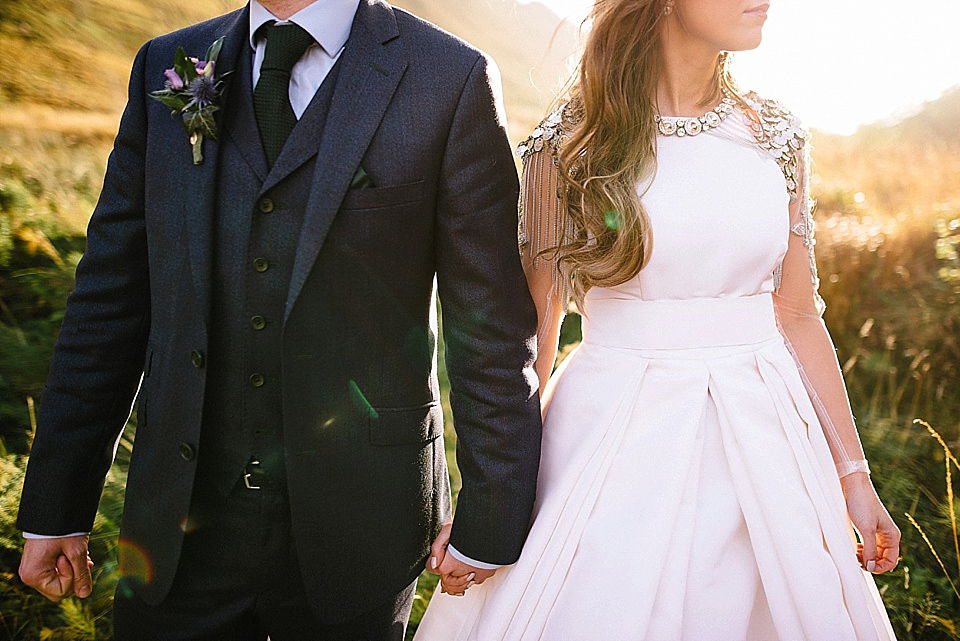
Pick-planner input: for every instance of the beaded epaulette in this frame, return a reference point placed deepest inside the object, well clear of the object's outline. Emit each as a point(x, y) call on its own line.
point(782, 135)
point(550, 133)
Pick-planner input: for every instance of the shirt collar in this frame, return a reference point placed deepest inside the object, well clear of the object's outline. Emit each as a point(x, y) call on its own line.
point(328, 21)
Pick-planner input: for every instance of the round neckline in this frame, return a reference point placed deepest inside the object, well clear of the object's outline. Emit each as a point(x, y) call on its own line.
point(682, 126)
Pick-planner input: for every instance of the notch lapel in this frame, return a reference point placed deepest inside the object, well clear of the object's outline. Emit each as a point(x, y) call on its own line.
point(372, 66)
point(240, 122)
point(200, 181)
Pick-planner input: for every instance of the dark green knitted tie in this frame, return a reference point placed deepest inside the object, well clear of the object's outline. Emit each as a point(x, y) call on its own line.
point(286, 43)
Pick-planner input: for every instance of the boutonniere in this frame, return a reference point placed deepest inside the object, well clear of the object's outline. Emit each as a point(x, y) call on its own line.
point(192, 91)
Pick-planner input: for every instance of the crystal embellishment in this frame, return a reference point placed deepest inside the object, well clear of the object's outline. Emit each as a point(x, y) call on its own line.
point(549, 134)
point(779, 133)
point(692, 126)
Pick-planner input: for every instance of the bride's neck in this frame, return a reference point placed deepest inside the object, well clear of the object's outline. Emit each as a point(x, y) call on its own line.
point(688, 78)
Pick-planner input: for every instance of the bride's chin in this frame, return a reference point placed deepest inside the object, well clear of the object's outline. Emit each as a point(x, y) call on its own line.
point(746, 43)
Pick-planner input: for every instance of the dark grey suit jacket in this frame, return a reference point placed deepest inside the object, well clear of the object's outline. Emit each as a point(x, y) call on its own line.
point(362, 420)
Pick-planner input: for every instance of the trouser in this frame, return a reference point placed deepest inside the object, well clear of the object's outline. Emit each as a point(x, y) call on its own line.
point(239, 579)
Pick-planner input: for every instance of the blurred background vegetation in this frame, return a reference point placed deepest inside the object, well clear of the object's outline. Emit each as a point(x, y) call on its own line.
point(889, 256)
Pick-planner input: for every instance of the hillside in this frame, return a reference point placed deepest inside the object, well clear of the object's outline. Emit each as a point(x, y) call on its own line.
point(59, 113)
point(80, 53)
point(528, 41)
point(910, 167)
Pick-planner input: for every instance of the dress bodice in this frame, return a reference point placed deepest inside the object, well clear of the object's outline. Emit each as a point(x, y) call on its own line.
point(722, 204)
point(719, 212)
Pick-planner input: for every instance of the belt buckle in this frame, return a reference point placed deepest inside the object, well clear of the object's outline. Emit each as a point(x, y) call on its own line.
point(247, 475)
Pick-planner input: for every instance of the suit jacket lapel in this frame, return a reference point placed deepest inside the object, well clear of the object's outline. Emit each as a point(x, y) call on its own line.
point(200, 182)
point(240, 121)
point(371, 68)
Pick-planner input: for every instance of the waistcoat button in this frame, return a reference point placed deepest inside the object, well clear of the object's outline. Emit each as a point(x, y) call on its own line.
point(187, 452)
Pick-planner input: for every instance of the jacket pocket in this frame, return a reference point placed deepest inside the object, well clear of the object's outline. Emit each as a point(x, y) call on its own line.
point(383, 197)
point(406, 425)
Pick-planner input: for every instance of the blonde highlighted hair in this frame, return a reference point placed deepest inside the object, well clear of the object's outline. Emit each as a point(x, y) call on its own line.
point(611, 144)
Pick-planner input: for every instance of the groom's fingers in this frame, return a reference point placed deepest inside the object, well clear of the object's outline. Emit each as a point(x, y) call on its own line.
point(449, 566)
point(38, 567)
point(80, 563)
point(457, 581)
point(65, 576)
point(456, 572)
point(54, 566)
point(483, 575)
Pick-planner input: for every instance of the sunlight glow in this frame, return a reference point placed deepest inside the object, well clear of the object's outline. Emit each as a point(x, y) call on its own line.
point(842, 64)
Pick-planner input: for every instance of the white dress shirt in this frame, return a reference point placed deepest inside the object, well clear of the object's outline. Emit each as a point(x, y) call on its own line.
point(329, 22)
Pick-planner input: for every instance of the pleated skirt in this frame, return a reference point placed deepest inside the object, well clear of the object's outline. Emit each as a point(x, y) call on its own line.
point(686, 492)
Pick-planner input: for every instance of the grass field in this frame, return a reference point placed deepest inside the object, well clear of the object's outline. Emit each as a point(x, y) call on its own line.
point(888, 229)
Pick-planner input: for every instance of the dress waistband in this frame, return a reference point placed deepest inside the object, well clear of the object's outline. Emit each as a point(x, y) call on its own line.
point(679, 324)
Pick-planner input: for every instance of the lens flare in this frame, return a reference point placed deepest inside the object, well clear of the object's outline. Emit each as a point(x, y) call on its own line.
point(360, 401)
point(135, 565)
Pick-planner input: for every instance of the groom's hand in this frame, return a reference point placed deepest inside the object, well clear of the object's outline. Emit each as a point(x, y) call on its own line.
point(57, 567)
point(455, 576)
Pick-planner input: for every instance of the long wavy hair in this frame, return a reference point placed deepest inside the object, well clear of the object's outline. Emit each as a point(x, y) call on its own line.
point(611, 144)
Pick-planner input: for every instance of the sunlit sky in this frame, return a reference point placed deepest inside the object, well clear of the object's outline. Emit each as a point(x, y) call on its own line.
point(841, 63)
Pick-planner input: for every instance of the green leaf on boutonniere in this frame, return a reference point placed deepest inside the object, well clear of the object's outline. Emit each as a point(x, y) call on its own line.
point(170, 99)
point(213, 51)
point(201, 121)
point(184, 67)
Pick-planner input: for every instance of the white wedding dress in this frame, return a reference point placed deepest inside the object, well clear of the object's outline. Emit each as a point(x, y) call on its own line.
point(687, 489)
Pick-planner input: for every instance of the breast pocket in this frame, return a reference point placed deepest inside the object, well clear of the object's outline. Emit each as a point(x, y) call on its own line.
point(383, 198)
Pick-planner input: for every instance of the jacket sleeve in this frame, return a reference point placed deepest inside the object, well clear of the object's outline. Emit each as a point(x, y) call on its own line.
point(489, 327)
point(98, 359)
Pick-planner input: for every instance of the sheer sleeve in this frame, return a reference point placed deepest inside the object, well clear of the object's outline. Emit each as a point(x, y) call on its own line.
point(540, 229)
point(799, 314)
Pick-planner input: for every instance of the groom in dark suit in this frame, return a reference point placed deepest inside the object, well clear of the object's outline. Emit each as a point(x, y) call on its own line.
point(274, 304)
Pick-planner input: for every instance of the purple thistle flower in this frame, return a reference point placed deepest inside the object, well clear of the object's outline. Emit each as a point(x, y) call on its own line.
point(176, 82)
point(203, 91)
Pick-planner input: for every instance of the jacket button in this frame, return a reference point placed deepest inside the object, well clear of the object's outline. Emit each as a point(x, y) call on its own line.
point(265, 205)
point(261, 265)
point(196, 357)
point(257, 380)
point(187, 452)
point(258, 322)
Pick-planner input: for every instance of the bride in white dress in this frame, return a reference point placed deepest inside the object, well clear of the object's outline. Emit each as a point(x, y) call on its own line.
point(700, 466)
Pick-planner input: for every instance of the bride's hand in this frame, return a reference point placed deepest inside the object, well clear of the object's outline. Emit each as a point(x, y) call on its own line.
point(438, 551)
point(455, 576)
point(880, 537)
